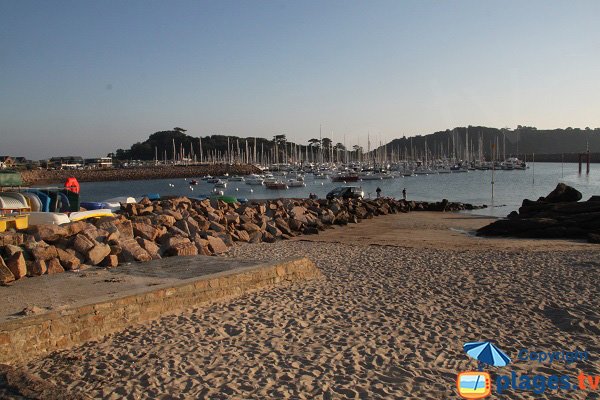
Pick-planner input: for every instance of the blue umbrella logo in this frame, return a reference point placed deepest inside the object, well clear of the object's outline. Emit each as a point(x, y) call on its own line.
point(486, 354)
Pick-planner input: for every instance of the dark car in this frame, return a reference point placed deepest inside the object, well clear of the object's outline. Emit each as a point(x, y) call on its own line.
point(346, 192)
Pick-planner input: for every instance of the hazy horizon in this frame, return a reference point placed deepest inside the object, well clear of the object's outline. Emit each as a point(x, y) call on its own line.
point(83, 78)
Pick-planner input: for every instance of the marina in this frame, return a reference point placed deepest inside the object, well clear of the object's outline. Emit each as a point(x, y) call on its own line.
point(510, 186)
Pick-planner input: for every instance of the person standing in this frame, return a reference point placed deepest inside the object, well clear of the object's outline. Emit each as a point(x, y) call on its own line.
point(404, 193)
point(378, 190)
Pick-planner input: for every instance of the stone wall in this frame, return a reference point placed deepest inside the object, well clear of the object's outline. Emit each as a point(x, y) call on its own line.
point(35, 336)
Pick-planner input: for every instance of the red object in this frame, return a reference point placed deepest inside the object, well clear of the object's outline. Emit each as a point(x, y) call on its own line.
point(72, 185)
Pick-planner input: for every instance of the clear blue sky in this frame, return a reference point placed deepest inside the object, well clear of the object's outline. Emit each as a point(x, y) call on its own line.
point(87, 77)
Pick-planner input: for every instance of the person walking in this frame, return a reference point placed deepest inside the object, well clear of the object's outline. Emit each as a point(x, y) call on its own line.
point(404, 193)
point(378, 190)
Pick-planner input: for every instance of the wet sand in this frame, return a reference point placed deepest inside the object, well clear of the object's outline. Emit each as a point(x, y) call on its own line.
point(401, 295)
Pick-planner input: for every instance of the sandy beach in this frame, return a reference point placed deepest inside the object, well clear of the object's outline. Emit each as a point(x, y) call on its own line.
point(400, 296)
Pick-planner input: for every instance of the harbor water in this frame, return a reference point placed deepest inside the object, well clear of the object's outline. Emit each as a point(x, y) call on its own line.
point(510, 187)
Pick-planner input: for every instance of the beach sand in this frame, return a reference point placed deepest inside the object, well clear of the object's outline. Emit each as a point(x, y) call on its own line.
point(399, 297)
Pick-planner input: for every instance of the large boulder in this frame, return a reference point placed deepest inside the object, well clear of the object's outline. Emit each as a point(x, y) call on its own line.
point(182, 249)
point(563, 193)
point(82, 243)
point(6, 276)
point(216, 245)
point(152, 248)
point(68, 260)
point(42, 251)
point(97, 253)
point(16, 264)
point(47, 232)
point(37, 268)
point(145, 231)
point(54, 267)
point(132, 251)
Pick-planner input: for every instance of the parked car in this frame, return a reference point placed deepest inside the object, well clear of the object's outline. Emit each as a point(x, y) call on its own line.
point(346, 192)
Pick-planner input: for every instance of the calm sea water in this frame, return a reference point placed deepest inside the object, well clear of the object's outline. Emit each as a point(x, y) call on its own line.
point(510, 187)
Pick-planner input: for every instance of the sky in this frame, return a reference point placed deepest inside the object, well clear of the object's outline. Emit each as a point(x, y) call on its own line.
point(88, 77)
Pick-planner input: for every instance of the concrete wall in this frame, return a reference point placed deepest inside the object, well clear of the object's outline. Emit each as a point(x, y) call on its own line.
point(35, 336)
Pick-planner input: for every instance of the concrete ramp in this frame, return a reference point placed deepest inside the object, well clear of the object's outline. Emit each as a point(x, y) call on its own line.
point(54, 312)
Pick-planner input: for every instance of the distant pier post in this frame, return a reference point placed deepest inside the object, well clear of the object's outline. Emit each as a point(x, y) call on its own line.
point(587, 166)
point(579, 163)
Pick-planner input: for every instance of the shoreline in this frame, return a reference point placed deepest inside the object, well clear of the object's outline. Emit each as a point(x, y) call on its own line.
point(40, 177)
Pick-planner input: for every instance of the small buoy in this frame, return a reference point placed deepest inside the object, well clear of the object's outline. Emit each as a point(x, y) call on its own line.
point(237, 189)
point(251, 190)
point(321, 183)
point(192, 189)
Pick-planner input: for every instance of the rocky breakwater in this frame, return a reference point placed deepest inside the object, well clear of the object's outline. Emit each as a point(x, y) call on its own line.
point(137, 173)
point(561, 214)
point(182, 227)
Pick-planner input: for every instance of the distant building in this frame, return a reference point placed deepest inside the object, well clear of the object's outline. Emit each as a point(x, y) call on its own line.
point(66, 162)
point(102, 162)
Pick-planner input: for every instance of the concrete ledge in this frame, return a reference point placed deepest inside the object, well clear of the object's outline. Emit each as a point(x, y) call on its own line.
point(35, 336)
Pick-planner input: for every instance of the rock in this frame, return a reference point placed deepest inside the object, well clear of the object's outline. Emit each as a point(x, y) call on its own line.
point(231, 218)
point(10, 249)
point(116, 249)
point(68, 260)
point(593, 237)
point(513, 215)
point(54, 267)
point(202, 246)
point(6, 276)
point(13, 238)
point(594, 199)
point(182, 249)
point(42, 252)
point(310, 230)
point(172, 240)
point(273, 230)
point(283, 226)
point(37, 268)
point(74, 228)
point(175, 214)
point(110, 261)
point(126, 228)
point(165, 220)
point(175, 231)
point(129, 208)
point(16, 264)
point(268, 238)
point(183, 226)
point(47, 232)
point(97, 253)
point(83, 244)
point(243, 236)
point(145, 231)
point(255, 237)
point(216, 245)
point(132, 251)
point(152, 248)
point(250, 227)
point(215, 226)
point(31, 310)
point(295, 225)
point(563, 193)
